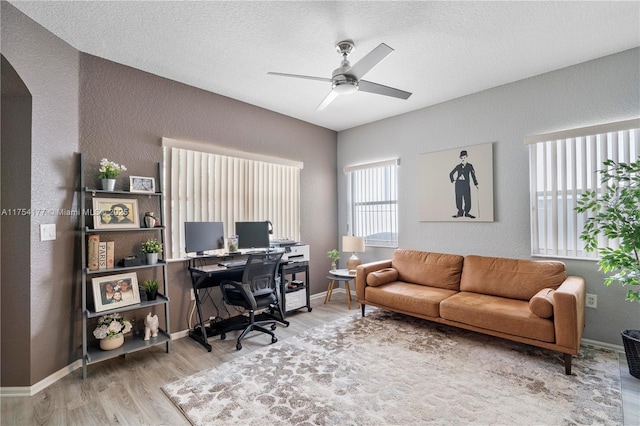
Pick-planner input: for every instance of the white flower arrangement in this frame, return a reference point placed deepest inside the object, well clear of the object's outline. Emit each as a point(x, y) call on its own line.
point(111, 325)
point(109, 169)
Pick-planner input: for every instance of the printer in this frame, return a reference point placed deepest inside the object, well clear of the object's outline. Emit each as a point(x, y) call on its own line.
point(296, 253)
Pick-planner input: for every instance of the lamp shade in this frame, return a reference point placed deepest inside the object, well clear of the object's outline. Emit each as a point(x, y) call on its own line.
point(353, 244)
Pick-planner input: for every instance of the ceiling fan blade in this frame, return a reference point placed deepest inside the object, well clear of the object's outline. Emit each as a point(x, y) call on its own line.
point(370, 60)
point(379, 89)
point(327, 100)
point(306, 77)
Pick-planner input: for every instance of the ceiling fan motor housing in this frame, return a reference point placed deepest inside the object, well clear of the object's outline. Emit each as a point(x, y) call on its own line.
point(343, 82)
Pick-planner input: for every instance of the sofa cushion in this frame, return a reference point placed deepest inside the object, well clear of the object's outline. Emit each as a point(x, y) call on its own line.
point(431, 269)
point(542, 303)
point(497, 313)
point(383, 276)
point(510, 278)
point(409, 298)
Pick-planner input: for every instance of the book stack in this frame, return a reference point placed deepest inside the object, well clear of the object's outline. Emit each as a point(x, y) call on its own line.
point(100, 254)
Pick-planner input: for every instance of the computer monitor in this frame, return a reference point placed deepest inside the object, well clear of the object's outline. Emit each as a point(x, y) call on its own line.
point(203, 236)
point(253, 235)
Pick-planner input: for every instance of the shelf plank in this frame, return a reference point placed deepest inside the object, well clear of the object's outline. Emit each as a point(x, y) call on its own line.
point(124, 268)
point(104, 191)
point(131, 344)
point(161, 300)
point(104, 231)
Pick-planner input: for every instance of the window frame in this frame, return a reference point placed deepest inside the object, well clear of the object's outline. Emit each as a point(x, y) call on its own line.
point(562, 166)
point(388, 185)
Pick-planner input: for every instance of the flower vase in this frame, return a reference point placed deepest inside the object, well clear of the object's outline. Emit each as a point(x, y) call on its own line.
point(111, 343)
point(152, 258)
point(108, 184)
point(152, 295)
point(334, 266)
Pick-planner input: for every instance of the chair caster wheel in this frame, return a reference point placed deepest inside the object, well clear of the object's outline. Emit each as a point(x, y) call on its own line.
point(223, 336)
point(238, 346)
point(274, 339)
point(273, 327)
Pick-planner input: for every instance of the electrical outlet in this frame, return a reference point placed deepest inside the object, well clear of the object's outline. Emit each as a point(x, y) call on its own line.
point(591, 301)
point(47, 231)
point(193, 295)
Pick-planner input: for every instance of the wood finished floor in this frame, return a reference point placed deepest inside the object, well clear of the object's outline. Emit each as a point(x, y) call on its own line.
point(127, 391)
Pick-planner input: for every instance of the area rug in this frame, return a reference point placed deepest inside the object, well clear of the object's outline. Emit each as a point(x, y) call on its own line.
point(390, 369)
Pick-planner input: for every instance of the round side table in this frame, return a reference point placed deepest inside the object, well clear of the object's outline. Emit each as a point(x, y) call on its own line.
point(339, 275)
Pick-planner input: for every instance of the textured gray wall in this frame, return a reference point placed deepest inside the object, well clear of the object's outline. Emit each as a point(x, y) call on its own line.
point(595, 92)
point(49, 69)
point(15, 311)
point(125, 112)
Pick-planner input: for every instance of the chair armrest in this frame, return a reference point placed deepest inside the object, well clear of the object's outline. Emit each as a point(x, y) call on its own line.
point(568, 313)
point(365, 269)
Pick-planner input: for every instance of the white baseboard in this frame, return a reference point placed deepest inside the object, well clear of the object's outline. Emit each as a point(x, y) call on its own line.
point(42, 384)
point(602, 345)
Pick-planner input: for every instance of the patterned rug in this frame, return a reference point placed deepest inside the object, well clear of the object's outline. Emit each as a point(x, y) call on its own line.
point(390, 369)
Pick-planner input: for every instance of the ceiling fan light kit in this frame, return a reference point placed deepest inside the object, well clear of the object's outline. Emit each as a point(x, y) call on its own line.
point(347, 79)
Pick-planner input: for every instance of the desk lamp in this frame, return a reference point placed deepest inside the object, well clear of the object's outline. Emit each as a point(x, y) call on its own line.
point(354, 245)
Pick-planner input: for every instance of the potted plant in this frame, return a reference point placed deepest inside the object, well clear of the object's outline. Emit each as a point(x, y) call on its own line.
point(151, 288)
point(615, 214)
point(151, 248)
point(111, 330)
point(108, 172)
point(334, 255)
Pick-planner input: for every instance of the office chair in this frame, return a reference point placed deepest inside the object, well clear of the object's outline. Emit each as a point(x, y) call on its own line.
point(257, 290)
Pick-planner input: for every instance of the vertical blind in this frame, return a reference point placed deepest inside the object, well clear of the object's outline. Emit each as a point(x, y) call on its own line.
point(562, 166)
point(206, 187)
point(373, 193)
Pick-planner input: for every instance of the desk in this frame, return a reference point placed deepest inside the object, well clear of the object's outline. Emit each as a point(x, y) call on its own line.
point(208, 276)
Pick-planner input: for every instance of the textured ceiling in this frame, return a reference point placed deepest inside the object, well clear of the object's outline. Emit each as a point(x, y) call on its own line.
point(443, 49)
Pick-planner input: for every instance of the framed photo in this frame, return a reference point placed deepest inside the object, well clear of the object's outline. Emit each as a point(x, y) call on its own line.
point(115, 291)
point(142, 184)
point(115, 213)
point(456, 185)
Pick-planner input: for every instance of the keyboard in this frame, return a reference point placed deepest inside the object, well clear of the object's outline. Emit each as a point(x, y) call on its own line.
point(233, 263)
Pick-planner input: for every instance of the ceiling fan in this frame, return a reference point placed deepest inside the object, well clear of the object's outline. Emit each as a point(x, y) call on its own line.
point(347, 79)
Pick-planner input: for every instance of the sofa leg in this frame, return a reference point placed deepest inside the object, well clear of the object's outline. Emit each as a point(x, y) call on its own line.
point(567, 364)
point(362, 306)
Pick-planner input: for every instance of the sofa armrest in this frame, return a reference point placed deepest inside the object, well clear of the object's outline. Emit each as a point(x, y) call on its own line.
point(568, 313)
point(363, 270)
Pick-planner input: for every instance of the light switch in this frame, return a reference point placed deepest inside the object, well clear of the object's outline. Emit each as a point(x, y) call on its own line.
point(47, 232)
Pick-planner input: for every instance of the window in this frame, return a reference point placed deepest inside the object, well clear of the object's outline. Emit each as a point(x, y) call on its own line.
point(205, 183)
point(562, 166)
point(373, 200)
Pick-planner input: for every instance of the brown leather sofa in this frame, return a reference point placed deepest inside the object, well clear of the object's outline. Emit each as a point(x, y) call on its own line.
point(527, 301)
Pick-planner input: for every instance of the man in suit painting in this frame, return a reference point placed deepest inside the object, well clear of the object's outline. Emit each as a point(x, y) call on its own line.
point(461, 175)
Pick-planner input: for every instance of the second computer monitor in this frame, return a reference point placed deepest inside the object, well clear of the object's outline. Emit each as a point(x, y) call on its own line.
point(253, 235)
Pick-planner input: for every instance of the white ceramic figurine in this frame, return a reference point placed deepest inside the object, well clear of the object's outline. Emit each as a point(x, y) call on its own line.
point(150, 326)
